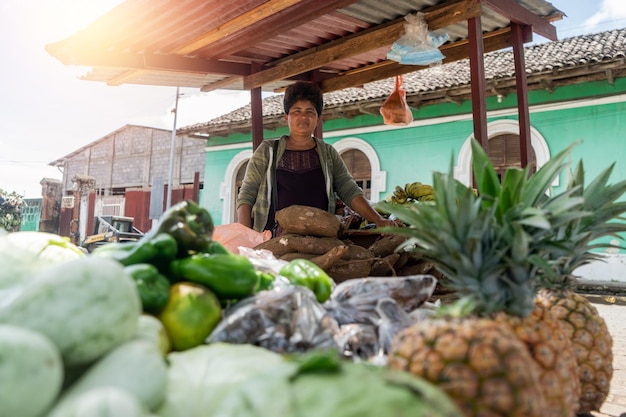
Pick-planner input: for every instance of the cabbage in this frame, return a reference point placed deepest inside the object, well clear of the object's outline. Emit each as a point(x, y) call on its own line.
point(198, 377)
point(244, 381)
point(23, 254)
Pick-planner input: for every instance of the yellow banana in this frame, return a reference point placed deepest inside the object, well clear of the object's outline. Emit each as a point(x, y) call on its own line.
point(399, 195)
point(398, 199)
point(408, 188)
point(417, 191)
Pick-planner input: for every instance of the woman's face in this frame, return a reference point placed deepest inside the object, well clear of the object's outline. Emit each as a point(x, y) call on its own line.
point(302, 118)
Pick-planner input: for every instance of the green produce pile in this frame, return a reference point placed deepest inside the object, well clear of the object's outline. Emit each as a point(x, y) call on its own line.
point(186, 279)
point(124, 331)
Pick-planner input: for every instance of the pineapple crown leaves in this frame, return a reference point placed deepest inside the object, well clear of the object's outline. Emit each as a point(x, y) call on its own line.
point(518, 190)
point(574, 240)
point(490, 246)
point(600, 202)
point(523, 200)
point(485, 262)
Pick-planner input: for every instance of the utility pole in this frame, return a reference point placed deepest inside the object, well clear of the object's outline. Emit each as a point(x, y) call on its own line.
point(172, 151)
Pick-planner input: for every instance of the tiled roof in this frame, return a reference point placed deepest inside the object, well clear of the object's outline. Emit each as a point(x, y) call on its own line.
point(548, 64)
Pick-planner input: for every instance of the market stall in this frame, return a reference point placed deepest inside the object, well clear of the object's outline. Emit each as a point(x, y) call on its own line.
point(310, 323)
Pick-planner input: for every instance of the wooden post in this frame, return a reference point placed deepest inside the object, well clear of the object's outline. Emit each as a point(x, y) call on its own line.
point(517, 32)
point(256, 108)
point(195, 193)
point(478, 83)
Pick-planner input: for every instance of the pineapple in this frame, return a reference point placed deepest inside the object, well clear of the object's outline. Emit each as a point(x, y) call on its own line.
point(569, 248)
point(524, 200)
point(485, 247)
point(551, 348)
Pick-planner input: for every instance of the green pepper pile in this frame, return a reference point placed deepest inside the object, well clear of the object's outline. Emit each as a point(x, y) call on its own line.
point(180, 248)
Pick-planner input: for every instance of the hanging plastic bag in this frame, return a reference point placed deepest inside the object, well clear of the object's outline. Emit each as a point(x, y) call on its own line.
point(417, 46)
point(395, 110)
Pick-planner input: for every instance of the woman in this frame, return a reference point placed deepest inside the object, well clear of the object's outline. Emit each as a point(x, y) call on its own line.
point(308, 171)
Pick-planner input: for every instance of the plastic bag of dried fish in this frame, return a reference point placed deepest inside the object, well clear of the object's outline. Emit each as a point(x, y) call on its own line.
point(283, 320)
point(358, 341)
point(355, 300)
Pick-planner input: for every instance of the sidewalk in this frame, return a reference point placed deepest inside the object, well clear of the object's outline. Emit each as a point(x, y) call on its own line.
point(613, 309)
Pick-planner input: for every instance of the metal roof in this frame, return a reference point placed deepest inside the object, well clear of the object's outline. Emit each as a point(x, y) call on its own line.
point(246, 44)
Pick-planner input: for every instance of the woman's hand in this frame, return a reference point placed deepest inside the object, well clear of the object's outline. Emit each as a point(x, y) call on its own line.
point(386, 223)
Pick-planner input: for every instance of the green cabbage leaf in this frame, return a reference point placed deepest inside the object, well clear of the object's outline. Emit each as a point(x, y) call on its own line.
point(244, 381)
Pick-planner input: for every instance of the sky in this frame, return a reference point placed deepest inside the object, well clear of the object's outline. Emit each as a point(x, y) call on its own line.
point(47, 112)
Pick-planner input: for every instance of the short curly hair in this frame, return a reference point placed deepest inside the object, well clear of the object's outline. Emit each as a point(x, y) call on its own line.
point(303, 90)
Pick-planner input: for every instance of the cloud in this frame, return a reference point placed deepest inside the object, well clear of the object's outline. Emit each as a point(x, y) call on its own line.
point(610, 11)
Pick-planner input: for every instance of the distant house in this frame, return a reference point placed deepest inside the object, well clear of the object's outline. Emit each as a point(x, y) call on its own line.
point(577, 92)
point(121, 169)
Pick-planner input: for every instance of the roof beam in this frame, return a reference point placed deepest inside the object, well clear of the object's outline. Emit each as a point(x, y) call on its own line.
point(271, 26)
point(492, 41)
point(167, 63)
point(521, 15)
point(241, 22)
point(383, 35)
point(125, 77)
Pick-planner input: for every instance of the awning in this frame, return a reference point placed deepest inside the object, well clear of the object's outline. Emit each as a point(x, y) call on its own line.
point(266, 45)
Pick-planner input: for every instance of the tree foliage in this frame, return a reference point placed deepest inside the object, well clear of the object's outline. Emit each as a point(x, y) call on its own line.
point(10, 210)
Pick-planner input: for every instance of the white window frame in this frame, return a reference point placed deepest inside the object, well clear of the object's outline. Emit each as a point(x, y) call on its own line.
point(463, 170)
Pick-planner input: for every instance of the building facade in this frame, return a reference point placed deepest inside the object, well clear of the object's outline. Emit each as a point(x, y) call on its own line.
point(119, 173)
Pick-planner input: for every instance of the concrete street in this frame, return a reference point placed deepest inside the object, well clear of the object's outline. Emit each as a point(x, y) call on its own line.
point(613, 310)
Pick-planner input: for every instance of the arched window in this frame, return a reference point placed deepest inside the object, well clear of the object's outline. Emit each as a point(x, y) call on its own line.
point(495, 130)
point(360, 168)
point(357, 163)
point(229, 188)
point(505, 152)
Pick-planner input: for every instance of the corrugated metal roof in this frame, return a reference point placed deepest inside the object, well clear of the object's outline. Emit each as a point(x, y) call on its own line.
point(584, 57)
point(211, 44)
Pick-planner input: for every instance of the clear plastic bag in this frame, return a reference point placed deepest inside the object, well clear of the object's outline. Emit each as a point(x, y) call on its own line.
point(392, 319)
point(283, 320)
point(417, 46)
point(355, 300)
point(358, 341)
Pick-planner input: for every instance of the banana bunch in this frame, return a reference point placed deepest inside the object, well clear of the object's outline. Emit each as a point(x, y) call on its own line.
point(415, 191)
point(419, 191)
point(399, 196)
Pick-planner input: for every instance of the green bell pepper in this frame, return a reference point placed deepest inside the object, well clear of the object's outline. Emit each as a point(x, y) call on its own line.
point(152, 286)
point(229, 276)
point(191, 226)
point(306, 273)
point(216, 247)
point(266, 281)
point(157, 249)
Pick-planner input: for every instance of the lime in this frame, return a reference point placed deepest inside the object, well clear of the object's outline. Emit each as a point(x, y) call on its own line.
point(190, 315)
